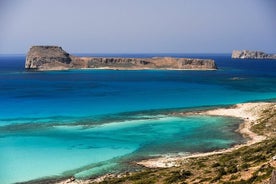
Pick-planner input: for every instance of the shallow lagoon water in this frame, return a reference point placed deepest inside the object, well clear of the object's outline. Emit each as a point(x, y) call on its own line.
point(35, 152)
point(87, 122)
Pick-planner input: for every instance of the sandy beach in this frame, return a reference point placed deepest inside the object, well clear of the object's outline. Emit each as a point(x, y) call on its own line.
point(249, 112)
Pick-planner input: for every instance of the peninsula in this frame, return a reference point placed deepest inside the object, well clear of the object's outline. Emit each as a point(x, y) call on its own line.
point(246, 54)
point(45, 58)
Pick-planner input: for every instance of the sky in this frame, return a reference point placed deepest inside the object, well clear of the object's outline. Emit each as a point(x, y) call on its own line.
point(138, 26)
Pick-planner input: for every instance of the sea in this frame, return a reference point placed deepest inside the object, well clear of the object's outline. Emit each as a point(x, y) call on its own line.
point(85, 123)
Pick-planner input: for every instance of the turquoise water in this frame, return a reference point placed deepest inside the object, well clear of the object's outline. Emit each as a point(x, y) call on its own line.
point(84, 123)
point(33, 152)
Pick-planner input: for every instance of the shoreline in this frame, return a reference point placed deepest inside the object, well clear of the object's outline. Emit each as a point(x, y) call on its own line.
point(248, 112)
point(122, 69)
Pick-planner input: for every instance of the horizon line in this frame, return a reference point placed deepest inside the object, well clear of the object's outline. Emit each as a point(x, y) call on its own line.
point(118, 53)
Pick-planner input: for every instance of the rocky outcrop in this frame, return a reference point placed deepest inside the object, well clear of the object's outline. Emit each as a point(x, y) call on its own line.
point(55, 58)
point(246, 54)
point(47, 57)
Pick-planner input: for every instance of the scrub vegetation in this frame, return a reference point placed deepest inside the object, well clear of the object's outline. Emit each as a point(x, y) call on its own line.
point(248, 164)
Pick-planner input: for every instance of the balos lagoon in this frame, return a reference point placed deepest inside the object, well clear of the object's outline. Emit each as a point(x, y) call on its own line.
point(86, 123)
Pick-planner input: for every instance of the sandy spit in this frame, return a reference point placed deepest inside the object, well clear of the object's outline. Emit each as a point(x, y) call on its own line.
point(249, 112)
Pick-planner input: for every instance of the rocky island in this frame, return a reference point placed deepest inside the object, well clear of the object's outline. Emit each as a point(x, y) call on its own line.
point(55, 58)
point(246, 54)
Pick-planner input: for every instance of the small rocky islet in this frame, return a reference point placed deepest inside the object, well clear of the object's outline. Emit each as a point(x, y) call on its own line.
point(45, 58)
point(247, 54)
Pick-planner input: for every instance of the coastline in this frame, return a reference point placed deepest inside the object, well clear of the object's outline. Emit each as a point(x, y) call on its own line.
point(123, 69)
point(248, 112)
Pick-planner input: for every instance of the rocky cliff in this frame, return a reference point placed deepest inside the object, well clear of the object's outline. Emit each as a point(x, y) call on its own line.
point(47, 57)
point(55, 58)
point(246, 54)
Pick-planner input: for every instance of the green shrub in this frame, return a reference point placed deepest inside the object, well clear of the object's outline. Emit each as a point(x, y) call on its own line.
point(215, 164)
point(178, 176)
point(232, 169)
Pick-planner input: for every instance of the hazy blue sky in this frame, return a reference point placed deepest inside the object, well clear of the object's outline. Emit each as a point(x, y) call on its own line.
point(138, 26)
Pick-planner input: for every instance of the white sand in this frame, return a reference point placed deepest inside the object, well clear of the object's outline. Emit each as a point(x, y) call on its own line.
point(249, 112)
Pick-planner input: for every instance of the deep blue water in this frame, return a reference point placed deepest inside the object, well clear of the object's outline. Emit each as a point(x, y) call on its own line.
point(64, 122)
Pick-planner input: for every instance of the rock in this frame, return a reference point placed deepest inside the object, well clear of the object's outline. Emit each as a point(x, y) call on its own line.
point(246, 54)
point(55, 58)
point(47, 57)
point(273, 177)
point(70, 180)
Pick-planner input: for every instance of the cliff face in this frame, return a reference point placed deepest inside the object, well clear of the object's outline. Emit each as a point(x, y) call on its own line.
point(55, 58)
point(47, 57)
point(246, 54)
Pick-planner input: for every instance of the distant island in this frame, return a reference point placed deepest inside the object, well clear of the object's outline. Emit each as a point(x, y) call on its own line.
point(55, 58)
point(246, 54)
